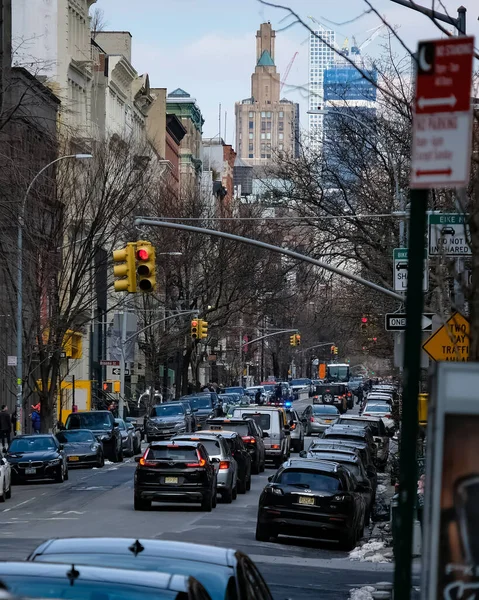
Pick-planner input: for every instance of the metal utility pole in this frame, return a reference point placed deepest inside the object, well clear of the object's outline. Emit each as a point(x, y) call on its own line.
point(459, 23)
point(121, 402)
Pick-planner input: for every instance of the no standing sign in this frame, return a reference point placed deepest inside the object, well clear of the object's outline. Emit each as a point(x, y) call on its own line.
point(442, 127)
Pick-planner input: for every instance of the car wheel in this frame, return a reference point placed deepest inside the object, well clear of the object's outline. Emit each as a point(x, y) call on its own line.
point(60, 476)
point(2, 497)
point(227, 496)
point(214, 498)
point(137, 447)
point(347, 540)
point(101, 463)
point(234, 493)
point(241, 485)
point(248, 484)
point(66, 474)
point(141, 504)
point(8, 493)
point(255, 468)
point(263, 533)
point(207, 502)
point(119, 456)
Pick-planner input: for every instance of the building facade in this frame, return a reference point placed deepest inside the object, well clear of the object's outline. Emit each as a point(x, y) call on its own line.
point(321, 56)
point(52, 39)
point(265, 124)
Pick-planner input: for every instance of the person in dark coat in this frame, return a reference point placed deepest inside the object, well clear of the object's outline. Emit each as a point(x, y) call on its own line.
point(36, 421)
point(278, 392)
point(257, 396)
point(5, 426)
point(359, 395)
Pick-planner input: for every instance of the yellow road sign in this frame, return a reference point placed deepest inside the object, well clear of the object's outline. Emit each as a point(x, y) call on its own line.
point(451, 341)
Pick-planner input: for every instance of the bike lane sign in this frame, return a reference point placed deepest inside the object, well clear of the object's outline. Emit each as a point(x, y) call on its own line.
point(400, 270)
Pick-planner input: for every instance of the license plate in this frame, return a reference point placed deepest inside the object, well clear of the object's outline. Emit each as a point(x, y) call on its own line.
point(30, 471)
point(306, 500)
point(171, 479)
point(73, 458)
point(328, 420)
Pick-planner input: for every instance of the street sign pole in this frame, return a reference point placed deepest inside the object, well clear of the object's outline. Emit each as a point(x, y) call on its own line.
point(412, 366)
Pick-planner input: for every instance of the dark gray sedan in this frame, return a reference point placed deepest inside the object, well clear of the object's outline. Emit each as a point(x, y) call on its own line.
point(81, 448)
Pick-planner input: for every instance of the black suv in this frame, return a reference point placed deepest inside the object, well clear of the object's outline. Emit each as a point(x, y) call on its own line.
point(175, 471)
point(250, 433)
point(203, 405)
point(102, 424)
point(167, 420)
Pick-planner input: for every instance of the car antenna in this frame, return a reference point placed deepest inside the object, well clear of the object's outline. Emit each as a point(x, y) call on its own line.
point(136, 547)
point(73, 574)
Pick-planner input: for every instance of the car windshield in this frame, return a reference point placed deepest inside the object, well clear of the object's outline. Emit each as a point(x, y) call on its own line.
point(97, 421)
point(382, 408)
point(371, 424)
point(79, 435)
point(343, 436)
point(320, 409)
point(121, 424)
point(165, 410)
point(56, 587)
point(200, 402)
point(32, 444)
point(215, 578)
point(261, 419)
point(300, 382)
point(308, 479)
point(172, 452)
point(269, 388)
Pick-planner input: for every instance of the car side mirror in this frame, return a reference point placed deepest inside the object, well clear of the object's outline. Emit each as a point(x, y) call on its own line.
point(270, 478)
point(265, 434)
point(215, 460)
point(303, 454)
point(195, 410)
point(61, 446)
point(137, 459)
point(116, 425)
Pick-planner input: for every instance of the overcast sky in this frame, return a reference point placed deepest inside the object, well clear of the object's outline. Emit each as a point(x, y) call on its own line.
point(207, 47)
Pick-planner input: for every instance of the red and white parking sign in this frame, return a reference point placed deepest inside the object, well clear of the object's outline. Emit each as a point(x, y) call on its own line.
point(442, 124)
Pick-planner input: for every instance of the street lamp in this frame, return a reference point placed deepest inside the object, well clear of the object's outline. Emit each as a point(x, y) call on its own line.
point(19, 403)
point(399, 197)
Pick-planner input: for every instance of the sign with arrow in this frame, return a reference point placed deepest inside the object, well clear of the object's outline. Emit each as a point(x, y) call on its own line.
point(442, 122)
point(397, 321)
point(400, 270)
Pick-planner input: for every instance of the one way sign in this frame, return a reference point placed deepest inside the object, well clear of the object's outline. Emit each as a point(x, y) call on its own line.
point(397, 322)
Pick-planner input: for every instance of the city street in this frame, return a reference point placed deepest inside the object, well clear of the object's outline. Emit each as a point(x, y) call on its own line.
point(100, 502)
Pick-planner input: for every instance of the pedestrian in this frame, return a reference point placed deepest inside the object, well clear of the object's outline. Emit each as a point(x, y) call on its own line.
point(359, 395)
point(257, 396)
point(5, 427)
point(278, 392)
point(35, 421)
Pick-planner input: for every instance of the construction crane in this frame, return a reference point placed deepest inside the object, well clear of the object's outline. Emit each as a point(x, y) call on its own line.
point(288, 69)
point(367, 41)
point(324, 30)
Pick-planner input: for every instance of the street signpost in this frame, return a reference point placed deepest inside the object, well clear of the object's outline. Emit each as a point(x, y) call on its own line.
point(400, 270)
point(110, 363)
point(397, 321)
point(442, 123)
point(114, 373)
point(448, 235)
point(451, 341)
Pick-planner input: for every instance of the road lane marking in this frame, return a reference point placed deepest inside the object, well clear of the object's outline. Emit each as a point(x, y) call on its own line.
point(20, 504)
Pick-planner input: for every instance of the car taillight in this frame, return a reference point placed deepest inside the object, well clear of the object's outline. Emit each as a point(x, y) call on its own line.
point(143, 462)
point(293, 426)
point(366, 415)
point(224, 464)
point(387, 416)
point(275, 446)
point(247, 439)
point(201, 462)
point(312, 419)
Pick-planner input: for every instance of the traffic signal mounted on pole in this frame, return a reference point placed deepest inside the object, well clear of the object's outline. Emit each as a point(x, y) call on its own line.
point(364, 324)
point(124, 268)
point(108, 387)
point(292, 340)
point(298, 339)
point(335, 349)
point(145, 266)
point(202, 329)
point(194, 329)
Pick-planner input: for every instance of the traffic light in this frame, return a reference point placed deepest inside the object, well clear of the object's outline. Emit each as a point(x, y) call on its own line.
point(298, 339)
point(194, 329)
point(145, 266)
point(364, 324)
point(292, 340)
point(108, 387)
point(124, 268)
point(335, 349)
point(117, 386)
point(202, 329)
point(332, 349)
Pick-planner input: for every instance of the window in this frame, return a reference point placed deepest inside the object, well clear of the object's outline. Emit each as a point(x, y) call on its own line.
point(263, 125)
point(268, 156)
point(280, 147)
point(268, 125)
point(251, 114)
point(268, 136)
point(251, 136)
point(263, 115)
point(250, 156)
point(281, 136)
point(281, 114)
point(250, 147)
point(263, 147)
point(251, 125)
point(263, 156)
point(268, 115)
point(281, 126)
point(263, 136)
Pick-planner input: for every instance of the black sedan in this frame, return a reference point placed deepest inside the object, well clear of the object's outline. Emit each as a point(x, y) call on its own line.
point(82, 448)
point(71, 582)
point(241, 456)
point(216, 568)
point(312, 498)
point(175, 471)
point(37, 457)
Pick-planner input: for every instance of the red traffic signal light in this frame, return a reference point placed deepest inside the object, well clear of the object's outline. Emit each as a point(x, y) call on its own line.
point(364, 320)
point(142, 254)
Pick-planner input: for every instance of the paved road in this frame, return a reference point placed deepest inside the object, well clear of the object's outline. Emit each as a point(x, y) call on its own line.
point(100, 502)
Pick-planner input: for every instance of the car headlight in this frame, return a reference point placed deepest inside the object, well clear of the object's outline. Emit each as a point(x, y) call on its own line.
point(54, 462)
point(179, 425)
point(275, 490)
point(94, 447)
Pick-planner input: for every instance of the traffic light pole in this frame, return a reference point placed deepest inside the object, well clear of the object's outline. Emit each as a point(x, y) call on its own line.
point(121, 402)
point(262, 337)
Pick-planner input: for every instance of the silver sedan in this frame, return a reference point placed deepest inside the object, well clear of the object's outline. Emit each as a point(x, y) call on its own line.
point(318, 417)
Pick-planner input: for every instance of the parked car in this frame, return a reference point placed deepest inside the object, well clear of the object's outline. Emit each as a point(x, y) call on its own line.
point(334, 394)
point(276, 431)
point(81, 447)
point(137, 435)
point(318, 417)
point(102, 424)
point(241, 456)
point(298, 385)
point(378, 428)
point(355, 383)
point(380, 410)
point(350, 432)
point(42, 580)
point(218, 569)
point(353, 463)
point(296, 429)
point(202, 405)
point(179, 471)
point(235, 390)
point(127, 437)
point(312, 498)
point(39, 456)
point(138, 424)
point(168, 419)
point(227, 473)
point(250, 433)
point(5, 479)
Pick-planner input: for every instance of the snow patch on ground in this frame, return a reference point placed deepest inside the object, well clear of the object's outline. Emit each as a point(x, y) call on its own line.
point(374, 551)
point(381, 489)
point(108, 462)
point(364, 593)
